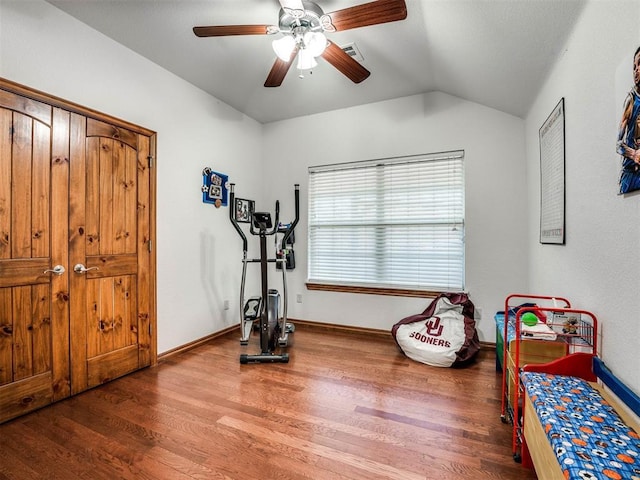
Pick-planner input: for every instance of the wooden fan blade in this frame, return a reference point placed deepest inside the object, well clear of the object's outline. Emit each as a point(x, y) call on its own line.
point(372, 13)
point(345, 63)
point(225, 30)
point(279, 71)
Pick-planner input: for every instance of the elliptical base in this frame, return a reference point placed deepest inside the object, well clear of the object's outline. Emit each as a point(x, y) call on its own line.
point(264, 358)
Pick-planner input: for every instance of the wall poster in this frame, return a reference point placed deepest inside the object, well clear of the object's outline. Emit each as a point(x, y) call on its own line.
point(628, 141)
point(552, 181)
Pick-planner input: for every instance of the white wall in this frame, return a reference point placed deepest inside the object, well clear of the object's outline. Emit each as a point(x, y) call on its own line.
point(496, 227)
point(599, 267)
point(198, 251)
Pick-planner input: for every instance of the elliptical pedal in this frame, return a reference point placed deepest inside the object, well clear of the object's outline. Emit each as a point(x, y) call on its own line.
point(251, 312)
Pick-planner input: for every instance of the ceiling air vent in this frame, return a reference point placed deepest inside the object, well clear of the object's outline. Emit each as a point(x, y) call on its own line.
point(352, 50)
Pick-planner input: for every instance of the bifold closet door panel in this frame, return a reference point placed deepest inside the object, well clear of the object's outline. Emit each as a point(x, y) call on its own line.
point(110, 222)
point(34, 295)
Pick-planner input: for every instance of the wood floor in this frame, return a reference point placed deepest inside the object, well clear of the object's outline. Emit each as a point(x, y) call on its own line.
point(347, 406)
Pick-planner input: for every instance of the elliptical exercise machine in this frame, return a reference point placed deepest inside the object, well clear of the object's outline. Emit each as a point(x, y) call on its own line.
point(274, 331)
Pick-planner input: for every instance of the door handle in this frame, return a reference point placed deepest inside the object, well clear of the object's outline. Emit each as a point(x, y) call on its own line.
point(58, 270)
point(80, 268)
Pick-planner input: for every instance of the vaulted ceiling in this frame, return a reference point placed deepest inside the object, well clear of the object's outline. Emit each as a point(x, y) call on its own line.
point(493, 52)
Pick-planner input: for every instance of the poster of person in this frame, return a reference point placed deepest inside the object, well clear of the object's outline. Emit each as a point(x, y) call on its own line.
point(628, 141)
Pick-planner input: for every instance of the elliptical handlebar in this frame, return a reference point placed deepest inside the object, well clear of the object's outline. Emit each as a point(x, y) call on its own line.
point(274, 229)
point(232, 217)
point(295, 221)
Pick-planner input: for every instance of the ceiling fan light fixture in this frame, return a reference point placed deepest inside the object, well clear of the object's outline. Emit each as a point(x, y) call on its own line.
point(315, 43)
point(306, 61)
point(284, 47)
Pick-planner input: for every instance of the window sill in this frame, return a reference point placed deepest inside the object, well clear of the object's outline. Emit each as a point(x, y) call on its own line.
point(394, 292)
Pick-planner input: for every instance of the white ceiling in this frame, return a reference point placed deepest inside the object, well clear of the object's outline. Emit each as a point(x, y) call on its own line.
point(493, 52)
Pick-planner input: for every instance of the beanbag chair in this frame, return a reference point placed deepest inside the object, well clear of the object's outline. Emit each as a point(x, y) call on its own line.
point(444, 335)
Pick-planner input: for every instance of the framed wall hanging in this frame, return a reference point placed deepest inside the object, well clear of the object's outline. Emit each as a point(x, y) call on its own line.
point(214, 187)
point(552, 177)
point(244, 209)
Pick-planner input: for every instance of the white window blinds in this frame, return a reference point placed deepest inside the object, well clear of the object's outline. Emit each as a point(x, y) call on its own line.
point(393, 223)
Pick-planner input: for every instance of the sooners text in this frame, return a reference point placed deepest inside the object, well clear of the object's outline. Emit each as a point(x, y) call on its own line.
point(430, 340)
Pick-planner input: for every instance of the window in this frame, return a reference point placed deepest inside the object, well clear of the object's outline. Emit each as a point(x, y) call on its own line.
point(390, 224)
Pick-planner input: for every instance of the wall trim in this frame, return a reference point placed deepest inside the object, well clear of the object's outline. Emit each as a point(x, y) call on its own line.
point(54, 101)
point(343, 328)
point(296, 321)
point(394, 292)
point(195, 343)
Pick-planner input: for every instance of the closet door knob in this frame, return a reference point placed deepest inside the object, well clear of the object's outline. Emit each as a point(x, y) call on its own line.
point(80, 268)
point(58, 270)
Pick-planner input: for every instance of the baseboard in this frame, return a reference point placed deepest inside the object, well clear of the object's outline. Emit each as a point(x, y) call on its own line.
point(191, 345)
point(487, 346)
point(341, 328)
point(371, 331)
point(297, 322)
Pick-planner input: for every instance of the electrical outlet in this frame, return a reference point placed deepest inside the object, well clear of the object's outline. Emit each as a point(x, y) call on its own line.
point(478, 314)
point(299, 298)
point(226, 304)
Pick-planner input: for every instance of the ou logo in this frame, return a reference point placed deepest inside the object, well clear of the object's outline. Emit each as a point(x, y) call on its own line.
point(434, 327)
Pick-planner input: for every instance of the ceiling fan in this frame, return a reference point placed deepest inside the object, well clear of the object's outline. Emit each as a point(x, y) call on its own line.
point(302, 24)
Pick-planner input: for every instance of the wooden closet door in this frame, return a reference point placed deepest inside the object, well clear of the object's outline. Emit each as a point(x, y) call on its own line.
point(34, 301)
point(74, 192)
point(110, 245)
